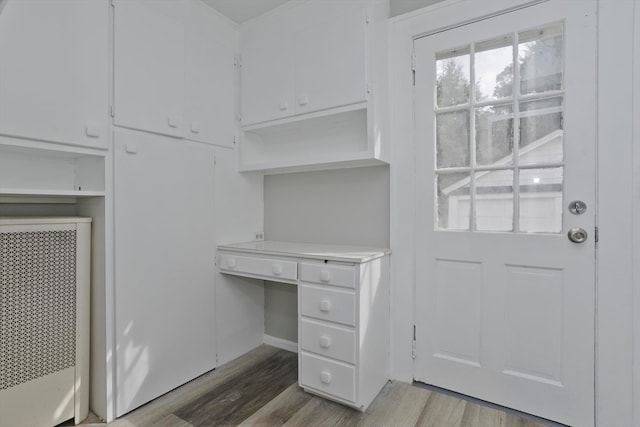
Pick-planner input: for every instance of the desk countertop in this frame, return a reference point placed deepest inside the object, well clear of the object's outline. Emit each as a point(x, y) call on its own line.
point(356, 254)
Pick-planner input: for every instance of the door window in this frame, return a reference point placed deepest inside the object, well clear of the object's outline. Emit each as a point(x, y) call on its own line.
point(499, 140)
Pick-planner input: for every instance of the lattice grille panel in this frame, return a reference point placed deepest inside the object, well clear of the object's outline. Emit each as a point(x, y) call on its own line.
point(37, 304)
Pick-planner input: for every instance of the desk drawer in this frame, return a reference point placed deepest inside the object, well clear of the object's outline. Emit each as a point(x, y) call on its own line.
point(328, 274)
point(269, 268)
point(334, 378)
point(325, 303)
point(326, 340)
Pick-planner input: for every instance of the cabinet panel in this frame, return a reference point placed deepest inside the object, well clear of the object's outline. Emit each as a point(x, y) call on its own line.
point(328, 340)
point(149, 64)
point(210, 77)
point(54, 71)
point(269, 268)
point(328, 376)
point(164, 265)
point(327, 303)
point(267, 80)
point(330, 61)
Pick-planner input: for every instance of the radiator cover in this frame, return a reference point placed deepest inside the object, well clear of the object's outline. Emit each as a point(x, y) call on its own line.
point(44, 289)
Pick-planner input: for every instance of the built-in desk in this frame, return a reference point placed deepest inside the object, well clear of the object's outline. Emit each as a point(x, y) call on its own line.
point(343, 311)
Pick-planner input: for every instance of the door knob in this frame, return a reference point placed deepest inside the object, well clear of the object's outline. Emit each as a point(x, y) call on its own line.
point(577, 235)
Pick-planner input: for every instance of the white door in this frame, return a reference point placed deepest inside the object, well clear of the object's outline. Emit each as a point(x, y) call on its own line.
point(504, 300)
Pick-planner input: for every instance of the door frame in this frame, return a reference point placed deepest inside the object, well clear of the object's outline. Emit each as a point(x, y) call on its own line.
point(617, 302)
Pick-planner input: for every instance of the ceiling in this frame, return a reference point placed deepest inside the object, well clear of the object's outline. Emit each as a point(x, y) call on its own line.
point(240, 11)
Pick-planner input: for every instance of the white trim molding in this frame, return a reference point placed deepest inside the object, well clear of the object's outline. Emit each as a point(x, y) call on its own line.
point(614, 291)
point(636, 211)
point(281, 343)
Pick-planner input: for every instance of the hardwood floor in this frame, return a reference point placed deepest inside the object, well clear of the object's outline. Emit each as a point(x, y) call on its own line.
point(260, 389)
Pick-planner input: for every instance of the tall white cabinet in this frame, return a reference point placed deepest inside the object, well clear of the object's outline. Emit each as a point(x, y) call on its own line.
point(164, 269)
point(174, 110)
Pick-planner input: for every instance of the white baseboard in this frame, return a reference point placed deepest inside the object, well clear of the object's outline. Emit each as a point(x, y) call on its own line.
point(281, 343)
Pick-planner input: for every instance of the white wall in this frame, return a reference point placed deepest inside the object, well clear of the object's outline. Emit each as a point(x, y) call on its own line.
point(399, 7)
point(341, 206)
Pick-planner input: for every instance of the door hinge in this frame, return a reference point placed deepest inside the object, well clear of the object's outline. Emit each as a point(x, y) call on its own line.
point(596, 235)
point(367, 15)
point(112, 111)
point(235, 140)
point(237, 61)
point(113, 3)
point(413, 343)
point(369, 87)
point(413, 67)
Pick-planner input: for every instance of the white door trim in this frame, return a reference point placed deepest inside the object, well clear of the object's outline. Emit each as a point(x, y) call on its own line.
point(636, 210)
point(615, 297)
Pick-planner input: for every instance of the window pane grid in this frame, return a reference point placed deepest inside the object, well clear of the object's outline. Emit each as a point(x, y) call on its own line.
point(502, 114)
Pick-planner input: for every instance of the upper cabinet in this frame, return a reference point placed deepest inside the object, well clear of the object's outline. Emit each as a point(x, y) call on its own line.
point(149, 66)
point(174, 70)
point(314, 87)
point(304, 59)
point(54, 71)
point(330, 58)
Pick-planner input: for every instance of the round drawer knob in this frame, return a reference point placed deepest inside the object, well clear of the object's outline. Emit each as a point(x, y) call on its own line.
point(325, 305)
point(325, 341)
point(325, 276)
point(325, 377)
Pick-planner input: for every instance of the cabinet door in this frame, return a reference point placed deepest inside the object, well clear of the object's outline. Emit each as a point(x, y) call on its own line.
point(211, 46)
point(149, 65)
point(164, 265)
point(267, 80)
point(330, 58)
point(54, 82)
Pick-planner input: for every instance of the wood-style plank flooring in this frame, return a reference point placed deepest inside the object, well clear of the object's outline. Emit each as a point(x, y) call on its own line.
point(260, 389)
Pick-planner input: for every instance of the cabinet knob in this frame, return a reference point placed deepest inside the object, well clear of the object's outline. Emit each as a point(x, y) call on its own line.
point(93, 130)
point(195, 127)
point(325, 276)
point(325, 305)
point(325, 341)
point(284, 105)
point(276, 269)
point(174, 122)
point(231, 263)
point(325, 377)
point(303, 100)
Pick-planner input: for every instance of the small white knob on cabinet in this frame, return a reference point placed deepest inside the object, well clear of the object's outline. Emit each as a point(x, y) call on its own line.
point(276, 269)
point(325, 305)
point(174, 122)
point(284, 105)
point(325, 377)
point(325, 276)
point(195, 127)
point(231, 263)
point(303, 100)
point(325, 341)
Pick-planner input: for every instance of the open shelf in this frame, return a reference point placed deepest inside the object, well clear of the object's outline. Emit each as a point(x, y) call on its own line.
point(34, 175)
point(329, 139)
